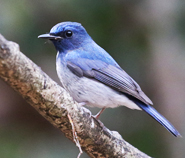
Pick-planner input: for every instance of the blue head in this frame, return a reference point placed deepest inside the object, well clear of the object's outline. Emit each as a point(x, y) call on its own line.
point(67, 36)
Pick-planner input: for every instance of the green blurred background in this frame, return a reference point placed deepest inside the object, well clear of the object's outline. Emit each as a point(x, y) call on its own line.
point(145, 37)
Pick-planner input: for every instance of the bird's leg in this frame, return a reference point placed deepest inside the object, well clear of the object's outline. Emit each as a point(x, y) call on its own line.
point(99, 113)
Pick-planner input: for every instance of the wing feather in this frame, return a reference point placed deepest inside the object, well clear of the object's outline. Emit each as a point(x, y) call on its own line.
point(111, 75)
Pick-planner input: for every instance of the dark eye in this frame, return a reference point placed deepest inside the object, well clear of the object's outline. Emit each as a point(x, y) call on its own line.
point(68, 33)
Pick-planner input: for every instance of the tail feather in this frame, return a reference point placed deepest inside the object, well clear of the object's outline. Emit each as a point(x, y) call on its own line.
point(158, 117)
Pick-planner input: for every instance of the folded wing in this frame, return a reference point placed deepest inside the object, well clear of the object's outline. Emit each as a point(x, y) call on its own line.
point(111, 75)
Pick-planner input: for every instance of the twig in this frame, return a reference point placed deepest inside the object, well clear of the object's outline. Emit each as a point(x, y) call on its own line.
point(75, 137)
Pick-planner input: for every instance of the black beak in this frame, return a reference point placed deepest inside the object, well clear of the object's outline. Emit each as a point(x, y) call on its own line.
point(48, 36)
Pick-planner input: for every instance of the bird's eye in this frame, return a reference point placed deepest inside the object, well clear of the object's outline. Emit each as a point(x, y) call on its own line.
point(68, 33)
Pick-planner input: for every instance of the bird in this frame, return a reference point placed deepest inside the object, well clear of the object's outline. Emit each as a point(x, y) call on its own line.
point(92, 77)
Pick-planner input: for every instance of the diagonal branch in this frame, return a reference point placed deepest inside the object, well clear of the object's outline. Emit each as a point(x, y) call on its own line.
point(56, 105)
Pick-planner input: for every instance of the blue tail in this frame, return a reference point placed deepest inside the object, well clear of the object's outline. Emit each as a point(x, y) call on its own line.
point(158, 117)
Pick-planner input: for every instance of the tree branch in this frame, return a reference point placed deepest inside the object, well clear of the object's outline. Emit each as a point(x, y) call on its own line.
point(56, 105)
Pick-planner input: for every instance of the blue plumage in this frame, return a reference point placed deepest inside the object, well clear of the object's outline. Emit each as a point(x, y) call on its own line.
point(93, 77)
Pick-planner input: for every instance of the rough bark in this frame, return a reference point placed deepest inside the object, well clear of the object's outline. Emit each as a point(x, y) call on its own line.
point(56, 105)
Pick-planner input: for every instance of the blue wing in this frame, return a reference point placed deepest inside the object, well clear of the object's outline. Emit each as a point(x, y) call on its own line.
point(112, 76)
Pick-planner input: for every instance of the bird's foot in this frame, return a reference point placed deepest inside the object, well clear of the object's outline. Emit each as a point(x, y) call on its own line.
point(99, 113)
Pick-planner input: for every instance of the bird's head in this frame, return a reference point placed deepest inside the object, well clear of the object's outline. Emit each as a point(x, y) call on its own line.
point(67, 36)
